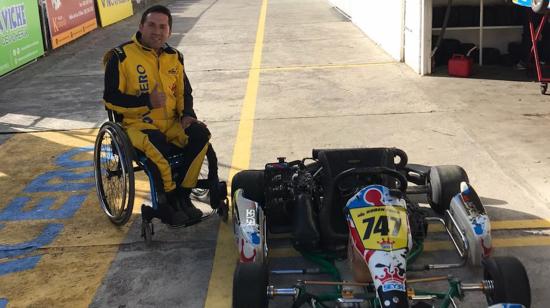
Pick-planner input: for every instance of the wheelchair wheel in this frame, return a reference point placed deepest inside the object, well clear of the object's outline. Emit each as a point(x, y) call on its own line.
point(114, 173)
point(202, 194)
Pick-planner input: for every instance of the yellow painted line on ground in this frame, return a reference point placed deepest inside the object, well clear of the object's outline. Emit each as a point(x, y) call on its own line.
point(280, 236)
point(221, 280)
point(506, 225)
point(324, 66)
point(283, 252)
point(520, 224)
point(506, 242)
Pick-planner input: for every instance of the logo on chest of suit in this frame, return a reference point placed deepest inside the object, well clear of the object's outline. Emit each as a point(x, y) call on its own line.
point(142, 79)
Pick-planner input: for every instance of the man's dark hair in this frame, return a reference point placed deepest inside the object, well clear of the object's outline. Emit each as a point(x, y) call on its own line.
point(157, 9)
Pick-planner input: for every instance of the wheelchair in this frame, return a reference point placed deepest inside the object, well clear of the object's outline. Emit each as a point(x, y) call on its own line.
point(116, 161)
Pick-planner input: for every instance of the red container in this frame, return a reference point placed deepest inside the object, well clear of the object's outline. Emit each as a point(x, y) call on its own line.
point(460, 65)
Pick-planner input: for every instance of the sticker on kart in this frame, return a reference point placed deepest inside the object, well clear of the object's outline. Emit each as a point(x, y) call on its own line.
point(381, 227)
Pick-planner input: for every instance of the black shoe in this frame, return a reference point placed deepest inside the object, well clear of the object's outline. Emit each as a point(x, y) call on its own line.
point(179, 219)
point(188, 206)
point(192, 211)
point(172, 214)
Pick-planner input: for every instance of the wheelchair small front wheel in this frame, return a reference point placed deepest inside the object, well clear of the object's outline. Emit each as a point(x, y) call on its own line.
point(147, 231)
point(114, 173)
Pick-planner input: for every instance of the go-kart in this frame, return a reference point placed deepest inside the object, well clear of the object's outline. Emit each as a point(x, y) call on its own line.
point(359, 204)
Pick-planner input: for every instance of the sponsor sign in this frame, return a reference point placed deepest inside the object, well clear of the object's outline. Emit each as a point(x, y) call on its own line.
point(69, 20)
point(20, 34)
point(111, 11)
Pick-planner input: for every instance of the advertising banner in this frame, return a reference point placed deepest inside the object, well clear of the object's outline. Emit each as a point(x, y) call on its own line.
point(69, 19)
point(20, 33)
point(111, 11)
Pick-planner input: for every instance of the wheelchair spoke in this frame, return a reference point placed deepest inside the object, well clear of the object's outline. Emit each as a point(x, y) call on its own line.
point(112, 177)
point(114, 173)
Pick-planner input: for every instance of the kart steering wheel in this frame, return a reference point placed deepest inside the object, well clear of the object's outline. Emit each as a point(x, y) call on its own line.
point(369, 171)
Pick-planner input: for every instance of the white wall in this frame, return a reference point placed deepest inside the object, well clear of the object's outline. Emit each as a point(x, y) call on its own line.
point(403, 28)
point(418, 35)
point(382, 22)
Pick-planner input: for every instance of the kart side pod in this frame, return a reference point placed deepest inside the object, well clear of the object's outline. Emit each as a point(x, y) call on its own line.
point(249, 228)
point(467, 214)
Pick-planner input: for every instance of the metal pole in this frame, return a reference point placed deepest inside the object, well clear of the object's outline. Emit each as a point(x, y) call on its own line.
point(44, 18)
point(481, 33)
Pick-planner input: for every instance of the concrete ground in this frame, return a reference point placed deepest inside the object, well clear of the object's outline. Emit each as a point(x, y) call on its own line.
point(321, 84)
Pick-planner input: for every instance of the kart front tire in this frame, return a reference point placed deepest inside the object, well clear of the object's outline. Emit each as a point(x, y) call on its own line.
point(251, 182)
point(444, 184)
point(511, 284)
point(250, 285)
point(540, 6)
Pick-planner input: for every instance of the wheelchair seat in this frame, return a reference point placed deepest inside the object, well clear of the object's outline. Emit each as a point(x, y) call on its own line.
point(332, 221)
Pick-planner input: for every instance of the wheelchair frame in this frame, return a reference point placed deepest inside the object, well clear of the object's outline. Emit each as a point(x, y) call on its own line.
point(114, 158)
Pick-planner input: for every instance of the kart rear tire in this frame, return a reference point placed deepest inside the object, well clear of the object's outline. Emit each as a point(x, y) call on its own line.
point(250, 285)
point(444, 183)
point(251, 182)
point(540, 6)
point(511, 284)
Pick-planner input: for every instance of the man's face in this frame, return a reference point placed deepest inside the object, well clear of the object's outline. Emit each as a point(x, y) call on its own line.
point(155, 31)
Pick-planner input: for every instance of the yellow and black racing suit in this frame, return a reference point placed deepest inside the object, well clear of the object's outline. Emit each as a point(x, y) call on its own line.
point(132, 72)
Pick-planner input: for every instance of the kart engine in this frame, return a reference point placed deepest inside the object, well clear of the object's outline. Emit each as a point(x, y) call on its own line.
point(290, 193)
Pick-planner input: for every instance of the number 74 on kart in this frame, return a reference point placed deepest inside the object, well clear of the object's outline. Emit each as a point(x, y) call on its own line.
point(381, 227)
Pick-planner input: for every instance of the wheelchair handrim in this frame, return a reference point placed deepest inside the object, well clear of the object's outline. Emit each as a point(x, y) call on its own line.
point(116, 215)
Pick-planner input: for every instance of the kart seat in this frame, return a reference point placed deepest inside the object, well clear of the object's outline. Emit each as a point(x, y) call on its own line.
point(332, 222)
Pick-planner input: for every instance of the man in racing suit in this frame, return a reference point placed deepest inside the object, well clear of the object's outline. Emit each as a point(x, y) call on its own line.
point(146, 84)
